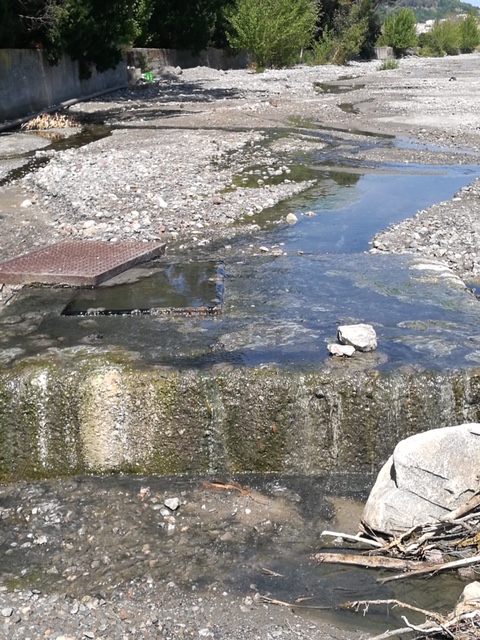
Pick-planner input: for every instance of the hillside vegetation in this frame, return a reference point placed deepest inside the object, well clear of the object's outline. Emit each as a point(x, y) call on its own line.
point(428, 9)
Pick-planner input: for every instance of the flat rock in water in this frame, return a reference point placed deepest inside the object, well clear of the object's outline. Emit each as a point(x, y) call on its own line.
point(360, 336)
point(428, 475)
point(341, 350)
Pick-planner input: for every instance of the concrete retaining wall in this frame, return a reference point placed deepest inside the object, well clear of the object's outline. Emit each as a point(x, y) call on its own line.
point(157, 58)
point(29, 84)
point(71, 413)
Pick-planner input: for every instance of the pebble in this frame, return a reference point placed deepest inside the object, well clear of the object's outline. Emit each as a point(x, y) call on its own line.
point(172, 503)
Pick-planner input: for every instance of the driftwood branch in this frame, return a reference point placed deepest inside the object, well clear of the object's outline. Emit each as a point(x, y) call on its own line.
point(357, 538)
point(395, 603)
point(375, 562)
point(394, 633)
point(463, 510)
point(456, 564)
point(298, 604)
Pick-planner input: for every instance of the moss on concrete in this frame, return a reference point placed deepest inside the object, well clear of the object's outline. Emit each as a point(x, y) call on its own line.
point(104, 413)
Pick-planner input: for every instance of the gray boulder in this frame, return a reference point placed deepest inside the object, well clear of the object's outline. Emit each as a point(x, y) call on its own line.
point(360, 336)
point(427, 476)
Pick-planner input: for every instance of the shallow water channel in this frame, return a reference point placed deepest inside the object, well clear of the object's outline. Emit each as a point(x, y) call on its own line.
point(283, 304)
point(279, 307)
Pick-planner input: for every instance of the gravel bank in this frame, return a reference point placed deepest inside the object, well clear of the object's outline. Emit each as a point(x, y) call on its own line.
point(193, 154)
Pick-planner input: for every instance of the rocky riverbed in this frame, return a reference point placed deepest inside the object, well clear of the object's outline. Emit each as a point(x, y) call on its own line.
point(193, 155)
point(192, 158)
point(121, 557)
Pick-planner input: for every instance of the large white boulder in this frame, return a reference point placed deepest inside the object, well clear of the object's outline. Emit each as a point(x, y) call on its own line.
point(360, 336)
point(427, 476)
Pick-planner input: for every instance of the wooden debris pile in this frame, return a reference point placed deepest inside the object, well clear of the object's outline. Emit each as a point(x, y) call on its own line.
point(452, 542)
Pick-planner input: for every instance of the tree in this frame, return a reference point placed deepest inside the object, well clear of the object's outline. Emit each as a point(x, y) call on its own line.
point(93, 33)
point(347, 29)
point(185, 24)
point(399, 31)
point(469, 34)
point(273, 32)
point(11, 28)
point(443, 39)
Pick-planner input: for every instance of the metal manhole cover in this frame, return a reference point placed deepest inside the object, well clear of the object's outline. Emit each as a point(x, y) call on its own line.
point(77, 262)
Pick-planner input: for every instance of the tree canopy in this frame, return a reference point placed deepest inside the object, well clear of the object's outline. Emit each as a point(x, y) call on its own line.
point(97, 32)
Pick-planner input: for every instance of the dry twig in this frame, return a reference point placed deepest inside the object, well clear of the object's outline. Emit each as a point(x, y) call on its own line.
point(231, 485)
point(456, 564)
point(357, 538)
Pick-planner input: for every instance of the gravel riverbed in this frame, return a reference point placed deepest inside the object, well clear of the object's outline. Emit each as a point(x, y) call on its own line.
point(191, 159)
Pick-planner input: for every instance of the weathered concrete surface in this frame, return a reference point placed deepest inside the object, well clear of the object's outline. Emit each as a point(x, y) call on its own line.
point(102, 413)
point(158, 58)
point(28, 83)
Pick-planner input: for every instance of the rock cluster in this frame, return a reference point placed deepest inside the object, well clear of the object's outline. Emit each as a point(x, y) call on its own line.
point(133, 189)
point(353, 337)
point(449, 231)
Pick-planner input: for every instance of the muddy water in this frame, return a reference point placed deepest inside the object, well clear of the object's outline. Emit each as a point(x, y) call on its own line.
point(85, 536)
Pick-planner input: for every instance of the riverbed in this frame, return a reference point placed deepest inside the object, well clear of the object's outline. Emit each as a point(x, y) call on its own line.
point(210, 161)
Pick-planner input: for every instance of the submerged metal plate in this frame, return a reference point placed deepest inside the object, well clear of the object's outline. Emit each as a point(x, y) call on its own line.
point(191, 289)
point(77, 262)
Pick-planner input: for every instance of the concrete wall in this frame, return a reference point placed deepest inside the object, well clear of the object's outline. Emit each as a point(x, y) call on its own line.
point(213, 58)
point(29, 84)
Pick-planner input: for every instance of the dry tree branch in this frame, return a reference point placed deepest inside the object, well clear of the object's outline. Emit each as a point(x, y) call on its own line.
point(357, 538)
point(456, 564)
point(396, 603)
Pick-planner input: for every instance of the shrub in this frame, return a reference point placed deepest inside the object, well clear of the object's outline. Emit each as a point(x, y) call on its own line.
point(352, 33)
point(388, 65)
point(469, 34)
point(273, 32)
point(339, 47)
point(399, 31)
point(443, 39)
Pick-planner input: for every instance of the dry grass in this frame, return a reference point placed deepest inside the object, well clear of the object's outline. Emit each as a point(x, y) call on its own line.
point(49, 121)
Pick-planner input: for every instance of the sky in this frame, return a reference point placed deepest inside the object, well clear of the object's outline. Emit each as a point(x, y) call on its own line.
point(476, 3)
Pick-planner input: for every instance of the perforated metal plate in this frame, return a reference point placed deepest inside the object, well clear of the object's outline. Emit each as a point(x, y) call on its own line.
point(77, 262)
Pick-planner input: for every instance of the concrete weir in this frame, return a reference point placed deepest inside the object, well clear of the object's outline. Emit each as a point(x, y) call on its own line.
point(98, 413)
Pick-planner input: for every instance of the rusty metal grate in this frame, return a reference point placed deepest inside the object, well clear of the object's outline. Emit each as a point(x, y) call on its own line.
point(77, 262)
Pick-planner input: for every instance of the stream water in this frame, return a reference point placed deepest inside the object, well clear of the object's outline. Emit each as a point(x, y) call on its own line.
point(284, 305)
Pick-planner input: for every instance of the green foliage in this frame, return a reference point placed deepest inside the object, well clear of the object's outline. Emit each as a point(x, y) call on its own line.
point(273, 32)
point(192, 25)
point(449, 37)
point(399, 31)
point(388, 65)
point(469, 34)
point(443, 39)
point(350, 32)
point(93, 33)
point(11, 28)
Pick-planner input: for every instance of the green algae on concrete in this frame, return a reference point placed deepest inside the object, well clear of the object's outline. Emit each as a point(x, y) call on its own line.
point(76, 413)
point(258, 413)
